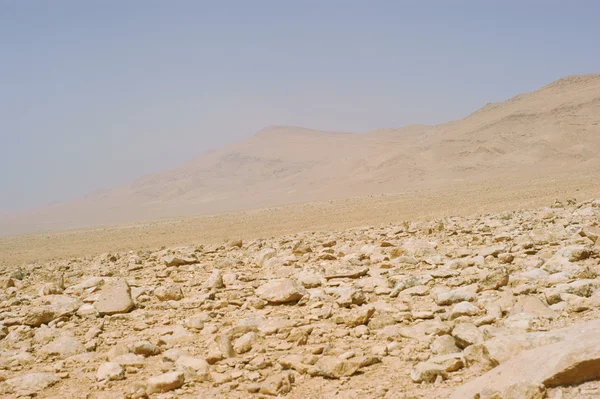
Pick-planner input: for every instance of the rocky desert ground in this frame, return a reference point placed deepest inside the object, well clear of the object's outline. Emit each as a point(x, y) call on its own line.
point(499, 305)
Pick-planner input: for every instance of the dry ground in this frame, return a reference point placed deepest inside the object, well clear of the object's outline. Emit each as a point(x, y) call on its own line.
point(458, 199)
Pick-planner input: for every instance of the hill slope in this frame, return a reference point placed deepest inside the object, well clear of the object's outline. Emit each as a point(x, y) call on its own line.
point(555, 130)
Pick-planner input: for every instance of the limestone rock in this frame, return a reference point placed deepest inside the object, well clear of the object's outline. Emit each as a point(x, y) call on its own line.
point(455, 296)
point(437, 366)
point(176, 260)
point(334, 367)
point(281, 291)
point(529, 374)
point(170, 292)
point(63, 346)
point(110, 371)
point(50, 307)
point(33, 382)
point(115, 298)
point(165, 382)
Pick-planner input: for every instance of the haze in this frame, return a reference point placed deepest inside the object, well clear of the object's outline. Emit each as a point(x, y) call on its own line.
point(95, 94)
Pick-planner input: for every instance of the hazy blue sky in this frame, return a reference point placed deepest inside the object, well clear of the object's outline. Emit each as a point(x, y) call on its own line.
point(96, 93)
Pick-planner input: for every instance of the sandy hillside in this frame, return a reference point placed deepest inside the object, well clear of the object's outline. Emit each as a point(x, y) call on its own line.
point(552, 131)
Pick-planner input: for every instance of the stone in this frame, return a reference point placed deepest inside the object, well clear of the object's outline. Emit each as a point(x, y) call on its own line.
point(194, 368)
point(63, 346)
point(531, 372)
point(532, 305)
point(308, 279)
point(437, 366)
point(281, 291)
point(264, 255)
point(145, 348)
point(455, 296)
point(493, 280)
point(50, 307)
point(463, 309)
point(444, 345)
point(110, 371)
point(356, 317)
point(502, 348)
point(130, 360)
point(176, 260)
point(115, 298)
point(215, 280)
point(278, 384)
point(165, 382)
point(244, 343)
point(169, 292)
point(466, 334)
point(33, 382)
point(334, 367)
point(195, 322)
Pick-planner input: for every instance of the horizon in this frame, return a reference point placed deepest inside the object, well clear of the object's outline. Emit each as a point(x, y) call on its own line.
point(96, 95)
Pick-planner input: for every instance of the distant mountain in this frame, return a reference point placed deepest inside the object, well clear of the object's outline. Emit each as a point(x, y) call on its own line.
point(552, 130)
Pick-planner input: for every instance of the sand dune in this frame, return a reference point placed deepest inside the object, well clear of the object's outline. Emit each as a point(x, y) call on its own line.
point(555, 130)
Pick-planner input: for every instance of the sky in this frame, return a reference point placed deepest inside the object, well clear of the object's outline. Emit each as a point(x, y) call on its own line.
point(94, 94)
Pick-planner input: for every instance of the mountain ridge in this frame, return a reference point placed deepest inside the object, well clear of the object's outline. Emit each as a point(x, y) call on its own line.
point(550, 130)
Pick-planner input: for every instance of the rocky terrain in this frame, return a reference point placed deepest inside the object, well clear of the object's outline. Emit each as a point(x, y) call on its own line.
point(503, 305)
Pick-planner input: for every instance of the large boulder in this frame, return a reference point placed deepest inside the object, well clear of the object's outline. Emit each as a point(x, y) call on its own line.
point(50, 307)
point(115, 298)
point(531, 372)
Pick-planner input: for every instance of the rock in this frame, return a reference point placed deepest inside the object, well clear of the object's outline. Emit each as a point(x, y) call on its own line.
point(444, 345)
point(455, 296)
point(334, 367)
point(528, 374)
point(173, 260)
point(215, 281)
point(50, 307)
point(195, 322)
point(356, 317)
point(281, 291)
point(437, 366)
point(145, 348)
point(130, 360)
point(110, 371)
point(165, 382)
point(193, 367)
point(478, 358)
point(308, 279)
point(278, 384)
point(244, 343)
point(349, 296)
point(236, 243)
point(294, 362)
point(33, 382)
point(264, 255)
point(348, 273)
point(534, 306)
point(170, 292)
point(575, 253)
point(466, 334)
point(301, 248)
point(463, 309)
point(115, 298)
point(63, 346)
point(502, 348)
point(493, 280)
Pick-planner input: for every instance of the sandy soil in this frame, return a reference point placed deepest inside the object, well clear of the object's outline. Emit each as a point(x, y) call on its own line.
point(459, 199)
